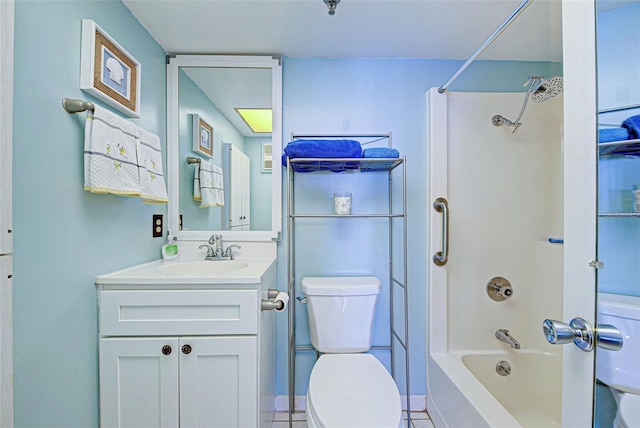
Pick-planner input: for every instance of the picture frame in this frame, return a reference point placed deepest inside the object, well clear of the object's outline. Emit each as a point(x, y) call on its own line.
point(202, 137)
point(108, 71)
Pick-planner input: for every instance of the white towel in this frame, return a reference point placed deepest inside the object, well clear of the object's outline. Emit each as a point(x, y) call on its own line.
point(110, 154)
point(208, 187)
point(152, 185)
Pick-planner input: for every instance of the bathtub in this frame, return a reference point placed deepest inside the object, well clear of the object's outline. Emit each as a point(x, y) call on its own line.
point(471, 393)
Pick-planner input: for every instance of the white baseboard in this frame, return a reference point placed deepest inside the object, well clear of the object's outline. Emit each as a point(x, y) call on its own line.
point(418, 403)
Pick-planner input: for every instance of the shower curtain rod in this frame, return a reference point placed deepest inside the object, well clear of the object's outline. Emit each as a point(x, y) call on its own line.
point(486, 44)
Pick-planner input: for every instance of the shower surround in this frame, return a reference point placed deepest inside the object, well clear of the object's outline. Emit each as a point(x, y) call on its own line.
point(504, 193)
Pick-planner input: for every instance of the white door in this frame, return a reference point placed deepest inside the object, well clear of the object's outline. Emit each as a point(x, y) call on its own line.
point(139, 382)
point(218, 382)
point(246, 192)
point(6, 227)
point(6, 124)
point(580, 163)
point(239, 190)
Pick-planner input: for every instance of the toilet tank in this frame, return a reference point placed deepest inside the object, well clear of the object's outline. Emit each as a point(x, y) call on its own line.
point(619, 369)
point(340, 311)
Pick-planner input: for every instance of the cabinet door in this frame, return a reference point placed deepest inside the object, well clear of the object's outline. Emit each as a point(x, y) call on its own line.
point(138, 382)
point(218, 382)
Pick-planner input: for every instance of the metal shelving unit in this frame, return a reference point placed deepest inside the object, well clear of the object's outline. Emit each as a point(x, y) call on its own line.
point(619, 148)
point(623, 148)
point(351, 165)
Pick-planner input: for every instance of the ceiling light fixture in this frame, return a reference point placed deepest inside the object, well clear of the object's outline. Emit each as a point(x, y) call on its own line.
point(331, 4)
point(260, 120)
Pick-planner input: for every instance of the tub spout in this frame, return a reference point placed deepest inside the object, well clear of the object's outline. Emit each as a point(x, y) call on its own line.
point(503, 335)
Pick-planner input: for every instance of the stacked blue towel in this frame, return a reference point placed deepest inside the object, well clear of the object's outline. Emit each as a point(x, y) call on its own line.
point(378, 153)
point(322, 149)
point(612, 134)
point(633, 125)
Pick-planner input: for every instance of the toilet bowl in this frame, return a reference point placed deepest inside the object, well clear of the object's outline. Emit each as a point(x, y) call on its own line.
point(619, 369)
point(628, 413)
point(352, 390)
point(347, 387)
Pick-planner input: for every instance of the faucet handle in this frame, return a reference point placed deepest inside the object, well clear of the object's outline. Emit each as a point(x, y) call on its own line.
point(228, 253)
point(209, 249)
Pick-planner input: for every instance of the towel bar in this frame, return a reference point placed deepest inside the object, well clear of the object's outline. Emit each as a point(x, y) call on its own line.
point(76, 106)
point(193, 160)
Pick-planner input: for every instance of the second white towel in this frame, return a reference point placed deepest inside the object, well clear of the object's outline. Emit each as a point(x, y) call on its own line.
point(152, 185)
point(208, 186)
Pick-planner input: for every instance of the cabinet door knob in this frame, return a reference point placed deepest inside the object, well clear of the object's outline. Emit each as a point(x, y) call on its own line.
point(166, 349)
point(186, 349)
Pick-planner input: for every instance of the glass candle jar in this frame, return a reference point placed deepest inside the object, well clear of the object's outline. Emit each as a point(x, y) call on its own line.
point(342, 203)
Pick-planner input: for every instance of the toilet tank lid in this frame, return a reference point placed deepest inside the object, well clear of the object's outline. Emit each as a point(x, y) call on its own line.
point(340, 285)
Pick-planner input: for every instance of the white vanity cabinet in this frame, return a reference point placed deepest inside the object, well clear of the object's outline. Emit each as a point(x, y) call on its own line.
point(178, 381)
point(186, 355)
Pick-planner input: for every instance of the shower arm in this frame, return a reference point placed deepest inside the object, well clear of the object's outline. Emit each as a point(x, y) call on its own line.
point(524, 103)
point(498, 120)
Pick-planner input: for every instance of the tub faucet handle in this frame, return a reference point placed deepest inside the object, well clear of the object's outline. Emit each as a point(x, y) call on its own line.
point(503, 335)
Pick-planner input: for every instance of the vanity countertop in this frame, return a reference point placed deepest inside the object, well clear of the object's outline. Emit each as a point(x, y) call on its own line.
point(152, 273)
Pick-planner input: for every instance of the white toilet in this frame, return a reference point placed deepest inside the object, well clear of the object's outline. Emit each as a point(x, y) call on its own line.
point(347, 388)
point(620, 370)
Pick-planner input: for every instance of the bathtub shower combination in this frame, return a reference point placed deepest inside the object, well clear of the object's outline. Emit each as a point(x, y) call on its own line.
point(488, 363)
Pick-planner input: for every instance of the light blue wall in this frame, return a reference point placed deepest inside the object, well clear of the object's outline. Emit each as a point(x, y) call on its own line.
point(333, 96)
point(65, 236)
point(618, 86)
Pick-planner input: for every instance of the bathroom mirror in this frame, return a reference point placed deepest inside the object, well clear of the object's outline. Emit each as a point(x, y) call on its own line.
point(205, 94)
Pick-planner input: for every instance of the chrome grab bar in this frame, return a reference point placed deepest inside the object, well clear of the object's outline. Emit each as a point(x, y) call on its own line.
point(441, 258)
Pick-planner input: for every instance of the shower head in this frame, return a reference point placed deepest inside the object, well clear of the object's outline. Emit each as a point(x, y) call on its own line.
point(548, 88)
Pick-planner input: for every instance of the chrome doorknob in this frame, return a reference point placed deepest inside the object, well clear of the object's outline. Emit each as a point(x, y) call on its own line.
point(582, 334)
point(558, 332)
point(608, 337)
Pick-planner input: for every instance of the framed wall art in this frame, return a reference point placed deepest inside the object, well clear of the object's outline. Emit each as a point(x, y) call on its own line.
point(202, 137)
point(108, 71)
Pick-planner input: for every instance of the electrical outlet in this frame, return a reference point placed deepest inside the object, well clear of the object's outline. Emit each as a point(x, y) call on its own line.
point(157, 225)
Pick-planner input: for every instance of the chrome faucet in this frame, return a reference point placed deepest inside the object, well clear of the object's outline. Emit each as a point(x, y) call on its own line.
point(503, 335)
point(214, 249)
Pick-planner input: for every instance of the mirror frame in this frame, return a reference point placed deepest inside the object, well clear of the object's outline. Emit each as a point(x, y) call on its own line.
point(173, 156)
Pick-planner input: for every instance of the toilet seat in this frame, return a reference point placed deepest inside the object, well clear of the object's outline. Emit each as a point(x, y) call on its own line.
point(352, 390)
point(628, 414)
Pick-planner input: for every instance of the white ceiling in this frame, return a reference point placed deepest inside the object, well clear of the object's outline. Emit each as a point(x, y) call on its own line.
point(434, 29)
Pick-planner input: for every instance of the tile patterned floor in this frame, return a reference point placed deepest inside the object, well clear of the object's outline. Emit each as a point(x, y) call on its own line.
point(281, 420)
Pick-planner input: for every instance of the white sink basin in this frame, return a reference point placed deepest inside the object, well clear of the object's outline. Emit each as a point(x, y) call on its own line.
point(203, 267)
